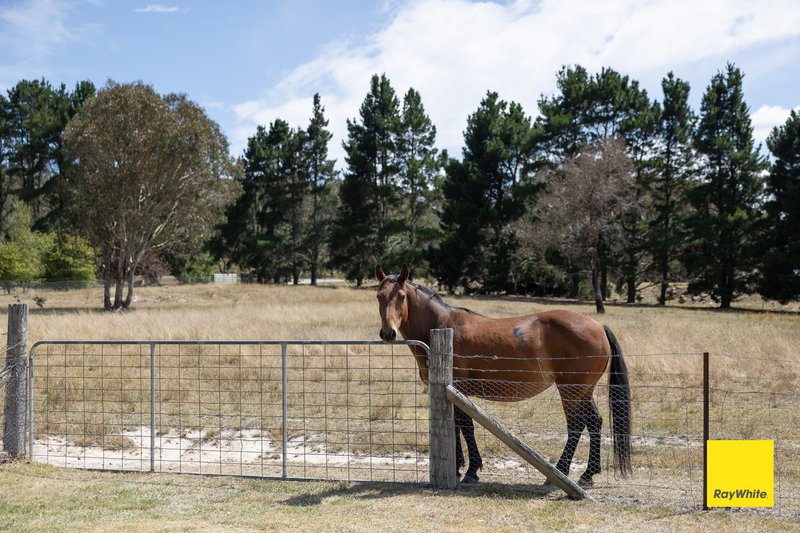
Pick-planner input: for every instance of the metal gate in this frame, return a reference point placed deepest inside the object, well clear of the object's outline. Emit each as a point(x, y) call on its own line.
point(349, 410)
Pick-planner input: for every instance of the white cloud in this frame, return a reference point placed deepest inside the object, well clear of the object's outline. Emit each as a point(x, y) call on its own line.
point(32, 32)
point(767, 117)
point(157, 8)
point(453, 51)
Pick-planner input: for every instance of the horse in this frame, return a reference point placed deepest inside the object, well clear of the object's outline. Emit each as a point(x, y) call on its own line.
point(513, 359)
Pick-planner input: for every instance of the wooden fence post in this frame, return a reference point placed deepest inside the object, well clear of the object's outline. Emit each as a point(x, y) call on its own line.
point(15, 412)
point(442, 425)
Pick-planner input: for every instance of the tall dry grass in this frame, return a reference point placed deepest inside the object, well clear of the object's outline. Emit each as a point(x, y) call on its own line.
point(664, 343)
point(251, 312)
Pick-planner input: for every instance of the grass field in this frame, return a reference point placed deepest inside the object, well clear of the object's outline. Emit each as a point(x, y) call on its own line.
point(755, 363)
point(42, 498)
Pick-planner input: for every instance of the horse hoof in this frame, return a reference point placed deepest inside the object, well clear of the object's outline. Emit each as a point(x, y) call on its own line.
point(469, 479)
point(585, 482)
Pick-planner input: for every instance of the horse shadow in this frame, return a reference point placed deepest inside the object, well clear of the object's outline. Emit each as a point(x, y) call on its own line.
point(370, 490)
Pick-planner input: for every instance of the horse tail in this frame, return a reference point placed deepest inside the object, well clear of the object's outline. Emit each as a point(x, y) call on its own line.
point(619, 402)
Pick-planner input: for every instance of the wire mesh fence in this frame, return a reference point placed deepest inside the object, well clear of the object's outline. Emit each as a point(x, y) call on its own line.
point(359, 411)
point(328, 410)
point(749, 399)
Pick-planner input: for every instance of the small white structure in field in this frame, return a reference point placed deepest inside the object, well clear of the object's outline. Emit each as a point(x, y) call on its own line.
point(226, 279)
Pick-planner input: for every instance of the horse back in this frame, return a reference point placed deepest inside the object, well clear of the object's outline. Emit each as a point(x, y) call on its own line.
point(529, 353)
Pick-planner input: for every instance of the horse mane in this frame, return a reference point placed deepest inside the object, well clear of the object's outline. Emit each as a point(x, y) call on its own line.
point(431, 295)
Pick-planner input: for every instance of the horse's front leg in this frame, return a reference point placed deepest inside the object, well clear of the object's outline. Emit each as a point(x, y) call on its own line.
point(464, 422)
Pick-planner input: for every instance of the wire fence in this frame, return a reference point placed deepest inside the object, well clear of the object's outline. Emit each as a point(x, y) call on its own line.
point(359, 411)
point(750, 398)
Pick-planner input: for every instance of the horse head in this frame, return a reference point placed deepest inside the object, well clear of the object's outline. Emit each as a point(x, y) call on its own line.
point(392, 302)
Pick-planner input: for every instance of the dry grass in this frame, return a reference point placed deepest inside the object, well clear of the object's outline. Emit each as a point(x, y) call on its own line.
point(41, 498)
point(251, 312)
point(751, 351)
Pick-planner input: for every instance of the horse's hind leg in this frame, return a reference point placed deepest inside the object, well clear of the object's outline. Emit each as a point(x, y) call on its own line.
point(575, 411)
point(594, 423)
point(464, 421)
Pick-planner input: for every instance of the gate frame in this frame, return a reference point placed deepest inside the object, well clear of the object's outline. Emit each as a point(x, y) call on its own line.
point(154, 343)
point(442, 396)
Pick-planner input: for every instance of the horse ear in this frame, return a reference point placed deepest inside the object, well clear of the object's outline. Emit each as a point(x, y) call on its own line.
point(379, 275)
point(403, 275)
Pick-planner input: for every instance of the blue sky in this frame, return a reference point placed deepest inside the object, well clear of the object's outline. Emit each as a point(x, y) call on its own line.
point(249, 62)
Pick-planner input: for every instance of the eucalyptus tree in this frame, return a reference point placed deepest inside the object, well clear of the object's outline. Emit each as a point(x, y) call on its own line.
point(146, 172)
point(588, 110)
point(582, 205)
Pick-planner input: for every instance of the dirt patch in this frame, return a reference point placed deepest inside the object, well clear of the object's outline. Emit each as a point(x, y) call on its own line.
point(249, 450)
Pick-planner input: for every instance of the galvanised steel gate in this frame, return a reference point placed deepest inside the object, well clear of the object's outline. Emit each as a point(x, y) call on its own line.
point(350, 410)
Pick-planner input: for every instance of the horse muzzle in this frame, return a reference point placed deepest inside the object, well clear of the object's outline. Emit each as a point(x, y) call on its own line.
point(389, 335)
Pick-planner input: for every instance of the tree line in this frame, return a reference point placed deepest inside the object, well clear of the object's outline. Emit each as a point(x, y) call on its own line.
point(604, 188)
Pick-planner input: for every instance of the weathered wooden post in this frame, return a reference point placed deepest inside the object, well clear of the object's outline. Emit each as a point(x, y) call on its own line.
point(16, 388)
point(442, 425)
point(512, 441)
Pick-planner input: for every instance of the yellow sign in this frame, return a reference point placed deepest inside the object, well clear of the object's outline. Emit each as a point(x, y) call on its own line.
point(741, 473)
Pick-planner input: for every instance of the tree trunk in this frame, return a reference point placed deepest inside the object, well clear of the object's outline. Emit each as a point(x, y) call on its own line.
point(604, 281)
point(631, 285)
point(314, 273)
point(108, 277)
point(119, 278)
point(134, 265)
point(662, 296)
point(726, 297)
point(118, 293)
point(129, 297)
point(574, 285)
point(726, 288)
point(598, 294)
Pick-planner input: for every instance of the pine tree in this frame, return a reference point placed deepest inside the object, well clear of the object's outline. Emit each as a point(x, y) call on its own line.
point(32, 123)
point(672, 180)
point(369, 194)
point(321, 173)
point(780, 266)
point(418, 165)
point(723, 226)
point(262, 228)
point(484, 195)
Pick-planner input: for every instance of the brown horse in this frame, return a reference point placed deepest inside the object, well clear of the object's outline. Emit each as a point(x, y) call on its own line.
point(512, 359)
